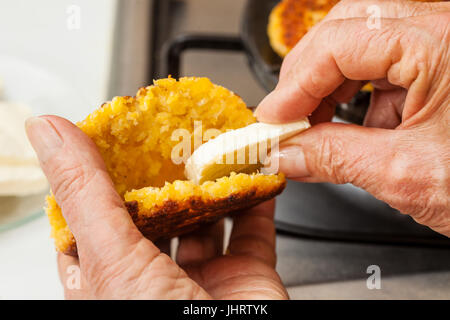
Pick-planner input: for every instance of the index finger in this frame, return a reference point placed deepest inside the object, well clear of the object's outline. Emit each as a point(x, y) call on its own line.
point(343, 49)
point(364, 9)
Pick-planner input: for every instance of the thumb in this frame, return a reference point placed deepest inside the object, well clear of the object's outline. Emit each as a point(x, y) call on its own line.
point(407, 169)
point(83, 189)
point(338, 153)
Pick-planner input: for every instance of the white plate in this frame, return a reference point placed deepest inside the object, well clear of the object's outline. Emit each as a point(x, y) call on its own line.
point(39, 89)
point(43, 93)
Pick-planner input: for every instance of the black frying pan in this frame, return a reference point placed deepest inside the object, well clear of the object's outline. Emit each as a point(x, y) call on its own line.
point(264, 62)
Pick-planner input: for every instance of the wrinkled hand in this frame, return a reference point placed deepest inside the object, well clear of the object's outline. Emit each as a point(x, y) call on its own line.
point(117, 262)
point(402, 155)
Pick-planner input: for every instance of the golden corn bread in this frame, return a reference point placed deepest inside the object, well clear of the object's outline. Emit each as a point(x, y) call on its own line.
point(291, 19)
point(134, 137)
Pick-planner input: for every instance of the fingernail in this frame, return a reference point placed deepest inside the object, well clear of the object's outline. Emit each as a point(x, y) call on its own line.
point(43, 137)
point(255, 113)
point(291, 161)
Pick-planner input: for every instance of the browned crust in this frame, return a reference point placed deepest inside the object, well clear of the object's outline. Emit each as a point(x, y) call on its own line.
point(173, 219)
point(71, 250)
point(292, 18)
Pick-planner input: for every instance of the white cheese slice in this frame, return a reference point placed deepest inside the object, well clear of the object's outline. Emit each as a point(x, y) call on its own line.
point(240, 150)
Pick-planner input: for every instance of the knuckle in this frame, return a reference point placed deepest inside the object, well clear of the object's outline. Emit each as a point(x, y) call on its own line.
point(401, 185)
point(107, 274)
point(334, 37)
point(70, 179)
point(340, 157)
point(418, 185)
point(414, 9)
point(328, 30)
point(330, 162)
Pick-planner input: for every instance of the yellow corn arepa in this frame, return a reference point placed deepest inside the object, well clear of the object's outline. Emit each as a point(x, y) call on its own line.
point(134, 137)
point(291, 19)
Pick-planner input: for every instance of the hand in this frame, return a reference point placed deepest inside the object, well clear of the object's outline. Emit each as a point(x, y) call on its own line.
point(405, 161)
point(117, 262)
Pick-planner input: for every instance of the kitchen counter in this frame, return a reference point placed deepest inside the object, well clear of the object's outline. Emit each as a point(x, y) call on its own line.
point(313, 269)
point(310, 269)
point(28, 263)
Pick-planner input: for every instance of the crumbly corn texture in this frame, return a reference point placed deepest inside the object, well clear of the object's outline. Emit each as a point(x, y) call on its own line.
point(60, 232)
point(134, 134)
point(134, 137)
point(150, 199)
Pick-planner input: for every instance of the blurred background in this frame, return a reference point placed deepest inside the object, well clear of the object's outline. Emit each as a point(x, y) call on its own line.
point(68, 57)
